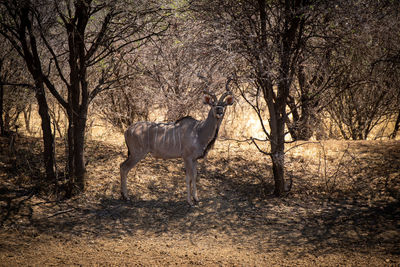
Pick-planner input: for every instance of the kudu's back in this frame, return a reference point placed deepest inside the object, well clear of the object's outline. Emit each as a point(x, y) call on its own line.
point(162, 140)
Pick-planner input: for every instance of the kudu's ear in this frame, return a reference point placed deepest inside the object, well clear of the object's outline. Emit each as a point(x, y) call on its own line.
point(229, 100)
point(208, 100)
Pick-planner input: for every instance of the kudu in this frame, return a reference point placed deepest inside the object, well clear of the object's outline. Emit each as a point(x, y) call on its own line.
point(186, 138)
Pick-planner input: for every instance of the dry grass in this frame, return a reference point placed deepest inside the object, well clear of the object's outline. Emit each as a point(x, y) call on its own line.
point(343, 209)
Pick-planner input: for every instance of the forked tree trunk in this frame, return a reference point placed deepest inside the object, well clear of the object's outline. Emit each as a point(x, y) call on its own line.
point(78, 98)
point(32, 60)
point(277, 122)
point(277, 98)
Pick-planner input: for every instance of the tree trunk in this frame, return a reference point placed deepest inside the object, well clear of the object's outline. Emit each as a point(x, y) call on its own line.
point(278, 144)
point(27, 118)
point(301, 129)
point(293, 125)
point(77, 97)
point(32, 60)
point(79, 145)
point(70, 156)
point(1, 110)
point(48, 140)
point(277, 136)
point(278, 168)
point(76, 145)
point(396, 127)
point(2, 130)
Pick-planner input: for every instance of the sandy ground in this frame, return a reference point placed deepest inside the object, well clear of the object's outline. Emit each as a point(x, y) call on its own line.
point(343, 209)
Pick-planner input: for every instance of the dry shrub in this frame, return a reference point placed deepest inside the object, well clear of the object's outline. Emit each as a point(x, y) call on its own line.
point(353, 170)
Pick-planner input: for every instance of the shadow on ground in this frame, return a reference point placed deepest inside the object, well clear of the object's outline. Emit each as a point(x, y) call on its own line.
point(235, 206)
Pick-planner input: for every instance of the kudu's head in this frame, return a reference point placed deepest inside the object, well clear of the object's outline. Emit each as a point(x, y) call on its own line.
point(218, 106)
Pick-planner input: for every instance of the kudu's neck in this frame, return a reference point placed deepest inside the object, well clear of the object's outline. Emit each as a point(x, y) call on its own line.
point(209, 128)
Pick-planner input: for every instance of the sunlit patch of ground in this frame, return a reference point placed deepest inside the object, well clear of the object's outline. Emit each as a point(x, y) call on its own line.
point(343, 209)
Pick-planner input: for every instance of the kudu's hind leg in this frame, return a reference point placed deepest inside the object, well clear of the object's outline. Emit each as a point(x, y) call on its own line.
point(125, 167)
point(190, 167)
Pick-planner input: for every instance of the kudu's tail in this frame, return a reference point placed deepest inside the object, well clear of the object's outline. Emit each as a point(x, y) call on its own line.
point(126, 142)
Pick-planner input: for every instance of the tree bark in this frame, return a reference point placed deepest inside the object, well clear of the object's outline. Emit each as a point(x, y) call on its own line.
point(32, 60)
point(27, 118)
point(396, 127)
point(48, 140)
point(1, 110)
point(305, 130)
point(276, 108)
point(79, 144)
point(278, 164)
point(277, 102)
point(78, 98)
point(2, 127)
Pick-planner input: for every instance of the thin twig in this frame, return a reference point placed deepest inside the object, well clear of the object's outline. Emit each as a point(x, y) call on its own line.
point(60, 212)
point(310, 142)
point(259, 149)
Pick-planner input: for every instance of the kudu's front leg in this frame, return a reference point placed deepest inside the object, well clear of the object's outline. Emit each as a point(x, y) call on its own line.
point(194, 180)
point(191, 173)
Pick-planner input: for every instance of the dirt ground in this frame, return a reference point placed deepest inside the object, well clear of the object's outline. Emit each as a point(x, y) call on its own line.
point(343, 209)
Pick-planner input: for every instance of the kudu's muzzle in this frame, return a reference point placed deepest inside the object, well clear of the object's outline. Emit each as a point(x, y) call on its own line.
point(219, 111)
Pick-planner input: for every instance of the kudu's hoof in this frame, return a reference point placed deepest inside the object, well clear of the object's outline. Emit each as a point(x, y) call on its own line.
point(190, 202)
point(193, 203)
point(125, 198)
